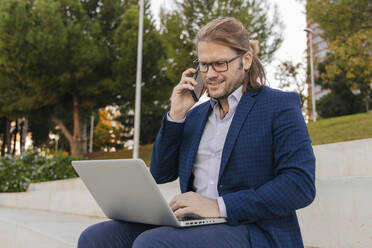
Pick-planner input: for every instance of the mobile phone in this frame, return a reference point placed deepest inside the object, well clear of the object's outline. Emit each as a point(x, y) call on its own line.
point(199, 88)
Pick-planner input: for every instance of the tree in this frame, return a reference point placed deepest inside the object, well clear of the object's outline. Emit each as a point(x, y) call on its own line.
point(292, 77)
point(51, 48)
point(68, 57)
point(180, 25)
point(151, 116)
point(347, 26)
point(156, 87)
point(354, 54)
point(107, 132)
point(340, 17)
point(341, 100)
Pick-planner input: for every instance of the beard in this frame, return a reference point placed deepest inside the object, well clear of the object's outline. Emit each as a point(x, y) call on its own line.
point(229, 87)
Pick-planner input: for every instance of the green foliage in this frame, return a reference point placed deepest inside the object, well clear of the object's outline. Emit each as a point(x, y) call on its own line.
point(156, 87)
point(154, 82)
point(180, 25)
point(347, 26)
point(17, 172)
point(341, 100)
point(53, 52)
point(340, 17)
point(151, 118)
point(338, 129)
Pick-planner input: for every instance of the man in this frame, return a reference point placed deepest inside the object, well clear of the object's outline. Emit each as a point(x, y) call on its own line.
point(244, 155)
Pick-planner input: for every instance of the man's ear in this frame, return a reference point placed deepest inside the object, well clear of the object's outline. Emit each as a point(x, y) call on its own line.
point(247, 60)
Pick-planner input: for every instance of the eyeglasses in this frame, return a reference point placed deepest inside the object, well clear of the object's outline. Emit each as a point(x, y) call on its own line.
point(218, 66)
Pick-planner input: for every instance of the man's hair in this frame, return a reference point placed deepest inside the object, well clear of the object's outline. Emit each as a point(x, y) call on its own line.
point(230, 32)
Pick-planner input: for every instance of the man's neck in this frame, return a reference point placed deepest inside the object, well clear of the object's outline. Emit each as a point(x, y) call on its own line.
point(224, 107)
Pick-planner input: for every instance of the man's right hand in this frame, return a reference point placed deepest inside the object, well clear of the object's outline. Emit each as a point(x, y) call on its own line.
point(181, 99)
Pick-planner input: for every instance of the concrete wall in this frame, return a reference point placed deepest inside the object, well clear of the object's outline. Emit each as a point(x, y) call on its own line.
point(352, 158)
point(66, 201)
point(67, 196)
point(341, 214)
point(66, 184)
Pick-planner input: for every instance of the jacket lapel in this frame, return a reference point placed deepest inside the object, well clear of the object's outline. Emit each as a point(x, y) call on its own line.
point(244, 107)
point(198, 125)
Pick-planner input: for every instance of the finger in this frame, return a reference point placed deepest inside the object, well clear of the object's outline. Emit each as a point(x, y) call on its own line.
point(188, 72)
point(181, 203)
point(190, 194)
point(184, 87)
point(189, 80)
point(183, 211)
point(175, 199)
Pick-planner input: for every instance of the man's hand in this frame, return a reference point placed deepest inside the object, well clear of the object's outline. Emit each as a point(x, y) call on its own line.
point(181, 99)
point(193, 203)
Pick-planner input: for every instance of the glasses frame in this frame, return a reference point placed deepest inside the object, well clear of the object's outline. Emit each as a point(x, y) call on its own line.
point(197, 63)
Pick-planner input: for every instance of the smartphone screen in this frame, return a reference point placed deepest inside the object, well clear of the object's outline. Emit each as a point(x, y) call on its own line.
point(199, 88)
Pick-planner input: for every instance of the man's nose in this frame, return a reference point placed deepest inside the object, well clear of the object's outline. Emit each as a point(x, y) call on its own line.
point(211, 73)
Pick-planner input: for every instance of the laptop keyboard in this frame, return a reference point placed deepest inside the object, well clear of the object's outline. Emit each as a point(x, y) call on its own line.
point(189, 217)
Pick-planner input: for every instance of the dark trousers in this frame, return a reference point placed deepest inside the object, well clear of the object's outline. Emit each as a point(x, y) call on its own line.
point(115, 234)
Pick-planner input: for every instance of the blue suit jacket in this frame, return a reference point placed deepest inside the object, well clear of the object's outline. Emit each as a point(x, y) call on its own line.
point(267, 166)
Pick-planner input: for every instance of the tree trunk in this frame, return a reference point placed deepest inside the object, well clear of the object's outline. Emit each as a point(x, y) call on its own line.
point(23, 132)
point(78, 145)
point(15, 138)
point(367, 101)
point(83, 131)
point(8, 136)
point(4, 120)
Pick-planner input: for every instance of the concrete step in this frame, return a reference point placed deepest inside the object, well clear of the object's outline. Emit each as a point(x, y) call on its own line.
point(26, 228)
point(64, 184)
point(350, 158)
point(59, 196)
point(21, 228)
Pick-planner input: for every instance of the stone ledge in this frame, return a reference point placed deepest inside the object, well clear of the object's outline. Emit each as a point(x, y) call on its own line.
point(75, 199)
point(340, 215)
point(350, 158)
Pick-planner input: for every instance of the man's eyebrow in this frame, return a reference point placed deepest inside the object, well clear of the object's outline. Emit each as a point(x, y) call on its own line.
point(214, 60)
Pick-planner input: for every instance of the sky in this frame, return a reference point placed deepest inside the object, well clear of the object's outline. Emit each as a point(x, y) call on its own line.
point(292, 14)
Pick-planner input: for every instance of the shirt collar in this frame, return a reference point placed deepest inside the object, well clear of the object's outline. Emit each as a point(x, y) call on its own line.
point(236, 95)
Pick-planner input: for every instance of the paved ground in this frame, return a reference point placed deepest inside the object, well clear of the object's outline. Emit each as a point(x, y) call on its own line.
point(34, 228)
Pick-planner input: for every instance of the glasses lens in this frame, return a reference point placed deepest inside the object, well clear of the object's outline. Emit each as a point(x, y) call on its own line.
point(203, 67)
point(195, 63)
point(220, 66)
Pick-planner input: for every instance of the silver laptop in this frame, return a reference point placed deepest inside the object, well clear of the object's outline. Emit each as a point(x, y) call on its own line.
point(125, 190)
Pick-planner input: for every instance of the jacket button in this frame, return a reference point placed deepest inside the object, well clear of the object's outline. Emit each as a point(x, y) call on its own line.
point(221, 186)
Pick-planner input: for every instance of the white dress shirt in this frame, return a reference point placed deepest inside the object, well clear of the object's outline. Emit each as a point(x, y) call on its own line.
point(208, 158)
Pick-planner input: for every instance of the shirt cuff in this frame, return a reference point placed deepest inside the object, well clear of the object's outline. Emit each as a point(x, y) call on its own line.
point(222, 207)
point(178, 121)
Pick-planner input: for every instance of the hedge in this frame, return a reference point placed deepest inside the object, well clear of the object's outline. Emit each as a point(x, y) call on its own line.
point(17, 172)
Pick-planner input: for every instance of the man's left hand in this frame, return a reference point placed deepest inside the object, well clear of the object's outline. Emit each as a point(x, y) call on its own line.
point(193, 203)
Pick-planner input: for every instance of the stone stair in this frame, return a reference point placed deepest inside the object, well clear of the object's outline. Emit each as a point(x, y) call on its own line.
point(53, 214)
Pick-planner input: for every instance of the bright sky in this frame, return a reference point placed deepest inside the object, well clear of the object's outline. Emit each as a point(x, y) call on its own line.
point(292, 14)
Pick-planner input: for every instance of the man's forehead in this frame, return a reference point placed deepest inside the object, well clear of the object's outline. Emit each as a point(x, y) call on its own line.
point(208, 51)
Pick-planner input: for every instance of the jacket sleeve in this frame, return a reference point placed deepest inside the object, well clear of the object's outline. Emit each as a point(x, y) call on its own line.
point(293, 185)
point(164, 158)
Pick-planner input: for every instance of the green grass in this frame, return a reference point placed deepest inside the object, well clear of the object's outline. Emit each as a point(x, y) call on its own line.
point(144, 153)
point(324, 131)
point(338, 129)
